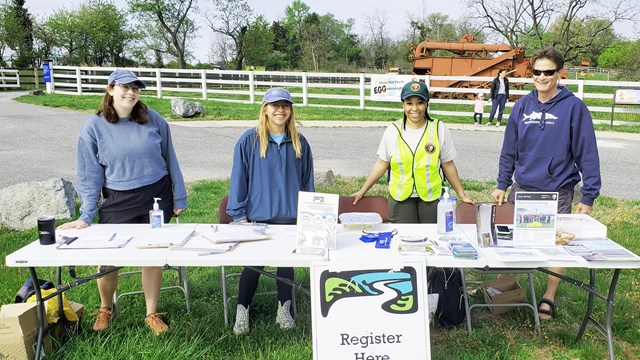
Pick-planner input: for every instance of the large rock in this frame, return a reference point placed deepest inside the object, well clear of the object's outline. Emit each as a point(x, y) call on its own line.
point(186, 109)
point(323, 177)
point(22, 204)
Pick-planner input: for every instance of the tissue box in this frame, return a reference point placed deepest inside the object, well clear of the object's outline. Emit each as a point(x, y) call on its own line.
point(510, 292)
point(583, 226)
point(360, 220)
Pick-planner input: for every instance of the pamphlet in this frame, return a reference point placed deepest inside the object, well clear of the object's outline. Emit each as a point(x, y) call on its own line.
point(518, 255)
point(594, 250)
point(317, 221)
point(463, 249)
point(535, 219)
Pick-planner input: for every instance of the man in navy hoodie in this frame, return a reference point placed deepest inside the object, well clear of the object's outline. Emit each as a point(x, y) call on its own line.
point(550, 145)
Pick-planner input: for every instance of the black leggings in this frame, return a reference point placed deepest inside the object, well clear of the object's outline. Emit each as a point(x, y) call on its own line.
point(249, 284)
point(479, 116)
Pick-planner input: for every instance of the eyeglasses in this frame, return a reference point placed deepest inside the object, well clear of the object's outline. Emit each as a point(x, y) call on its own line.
point(545, 72)
point(276, 106)
point(127, 87)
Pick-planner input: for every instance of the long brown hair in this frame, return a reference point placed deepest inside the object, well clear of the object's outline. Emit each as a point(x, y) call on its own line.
point(139, 112)
point(263, 132)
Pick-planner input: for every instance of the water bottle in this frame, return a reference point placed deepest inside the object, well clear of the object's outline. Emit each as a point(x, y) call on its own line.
point(446, 213)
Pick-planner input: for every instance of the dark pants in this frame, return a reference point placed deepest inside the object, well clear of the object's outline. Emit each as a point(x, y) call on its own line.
point(498, 104)
point(479, 116)
point(565, 197)
point(413, 211)
point(249, 283)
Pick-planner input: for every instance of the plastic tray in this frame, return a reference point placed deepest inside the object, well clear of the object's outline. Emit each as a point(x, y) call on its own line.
point(360, 220)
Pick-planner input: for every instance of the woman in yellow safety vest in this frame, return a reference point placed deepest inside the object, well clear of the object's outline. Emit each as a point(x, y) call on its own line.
point(416, 147)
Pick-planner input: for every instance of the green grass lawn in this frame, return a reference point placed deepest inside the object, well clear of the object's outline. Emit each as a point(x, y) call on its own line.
point(201, 334)
point(223, 110)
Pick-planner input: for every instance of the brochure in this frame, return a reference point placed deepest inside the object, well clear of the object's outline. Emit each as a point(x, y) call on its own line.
point(535, 219)
point(594, 250)
point(317, 221)
point(463, 249)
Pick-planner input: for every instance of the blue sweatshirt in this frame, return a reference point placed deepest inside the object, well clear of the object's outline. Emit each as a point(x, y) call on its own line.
point(123, 156)
point(266, 189)
point(548, 145)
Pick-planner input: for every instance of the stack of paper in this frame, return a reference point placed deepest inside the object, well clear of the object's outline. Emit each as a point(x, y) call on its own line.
point(234, 235)
point(463, 250)
point(110, 241)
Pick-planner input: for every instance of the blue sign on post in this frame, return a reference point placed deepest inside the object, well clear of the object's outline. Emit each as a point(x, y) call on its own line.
point(46, 70)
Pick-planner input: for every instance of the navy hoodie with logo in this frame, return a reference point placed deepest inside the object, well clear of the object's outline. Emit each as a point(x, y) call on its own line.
point(548, 145)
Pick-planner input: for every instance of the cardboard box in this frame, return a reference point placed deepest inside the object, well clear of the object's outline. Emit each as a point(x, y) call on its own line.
point(511, 292)
point(19, 331)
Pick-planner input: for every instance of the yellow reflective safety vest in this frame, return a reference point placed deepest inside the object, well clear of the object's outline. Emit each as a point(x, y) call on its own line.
point(419, 170)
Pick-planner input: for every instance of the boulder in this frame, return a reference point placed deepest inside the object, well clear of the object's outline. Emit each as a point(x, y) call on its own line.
point(22, 204)
point(323, 177)
point(186, 109)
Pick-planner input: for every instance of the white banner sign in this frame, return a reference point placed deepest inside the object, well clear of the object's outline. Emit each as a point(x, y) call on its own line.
point(388, 87)
point(371, 313)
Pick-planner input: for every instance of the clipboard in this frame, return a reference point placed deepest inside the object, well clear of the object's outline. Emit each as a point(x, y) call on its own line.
point(114, 241)
point(167, 239)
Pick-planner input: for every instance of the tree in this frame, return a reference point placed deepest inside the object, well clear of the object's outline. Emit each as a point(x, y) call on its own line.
point(173, 17)
point(622, 56)
point(259, 39)
point(527, 23)
point(232, 19)
point(292, 26)
point(95, 34)
point(18, 28)
point(380, 44)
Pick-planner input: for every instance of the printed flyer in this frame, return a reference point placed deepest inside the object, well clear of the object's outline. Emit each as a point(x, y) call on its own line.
point(317, 221)
point(535, 219)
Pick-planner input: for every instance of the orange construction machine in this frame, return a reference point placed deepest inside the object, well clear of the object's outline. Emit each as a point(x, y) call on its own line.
point(469, 59)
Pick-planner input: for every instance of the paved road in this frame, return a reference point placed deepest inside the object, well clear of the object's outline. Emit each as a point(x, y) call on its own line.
point(38, 143)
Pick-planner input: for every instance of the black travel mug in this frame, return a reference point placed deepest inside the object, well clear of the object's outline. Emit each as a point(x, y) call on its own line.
point(47, 230)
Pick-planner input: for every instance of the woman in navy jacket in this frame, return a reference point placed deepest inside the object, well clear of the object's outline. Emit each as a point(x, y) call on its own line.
point(271, 164)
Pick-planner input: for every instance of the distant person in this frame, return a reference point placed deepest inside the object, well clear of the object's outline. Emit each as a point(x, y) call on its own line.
point(416, 148)
point(125, 153)
point(478, 109)
point(499, 96)
point(550, 145)
point(271, 164)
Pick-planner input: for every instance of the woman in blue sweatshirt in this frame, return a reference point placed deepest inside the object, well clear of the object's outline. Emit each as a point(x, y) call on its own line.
point(550, 145)
point(271, 164)
point(126, 154)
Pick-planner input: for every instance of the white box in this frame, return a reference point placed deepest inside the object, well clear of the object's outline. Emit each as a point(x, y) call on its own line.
point(583, 226)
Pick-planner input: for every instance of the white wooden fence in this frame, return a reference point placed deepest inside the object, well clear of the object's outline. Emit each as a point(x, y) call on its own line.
point(9, 79)
point(346, 90)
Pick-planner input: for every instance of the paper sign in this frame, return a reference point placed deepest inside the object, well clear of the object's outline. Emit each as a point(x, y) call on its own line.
point(317, 220)
point(627, 96)
point(535, 219)
point(388, 87)
point(370, 313)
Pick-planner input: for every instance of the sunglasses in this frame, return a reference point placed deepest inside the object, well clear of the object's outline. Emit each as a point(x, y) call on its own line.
point(127, 87)
point(545, 72)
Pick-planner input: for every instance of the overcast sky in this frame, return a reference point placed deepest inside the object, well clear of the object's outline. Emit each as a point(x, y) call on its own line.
point(396, 11)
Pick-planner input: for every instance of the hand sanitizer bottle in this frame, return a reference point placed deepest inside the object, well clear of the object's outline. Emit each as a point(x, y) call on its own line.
point(156, 216)
point(445, 213)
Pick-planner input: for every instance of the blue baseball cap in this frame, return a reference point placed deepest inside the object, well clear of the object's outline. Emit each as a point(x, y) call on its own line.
point(415, 88)
point(124, 76)
point(276, 94)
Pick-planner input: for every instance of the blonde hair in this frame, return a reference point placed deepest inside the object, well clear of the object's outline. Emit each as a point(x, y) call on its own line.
point(290, 129)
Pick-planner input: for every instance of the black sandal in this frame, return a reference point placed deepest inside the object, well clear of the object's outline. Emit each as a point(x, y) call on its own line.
point(552, 308)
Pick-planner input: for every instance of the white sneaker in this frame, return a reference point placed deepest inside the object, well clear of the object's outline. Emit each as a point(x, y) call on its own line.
point(498, 123)
point(487, 124)
point(283, 316)
point(242, 320)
